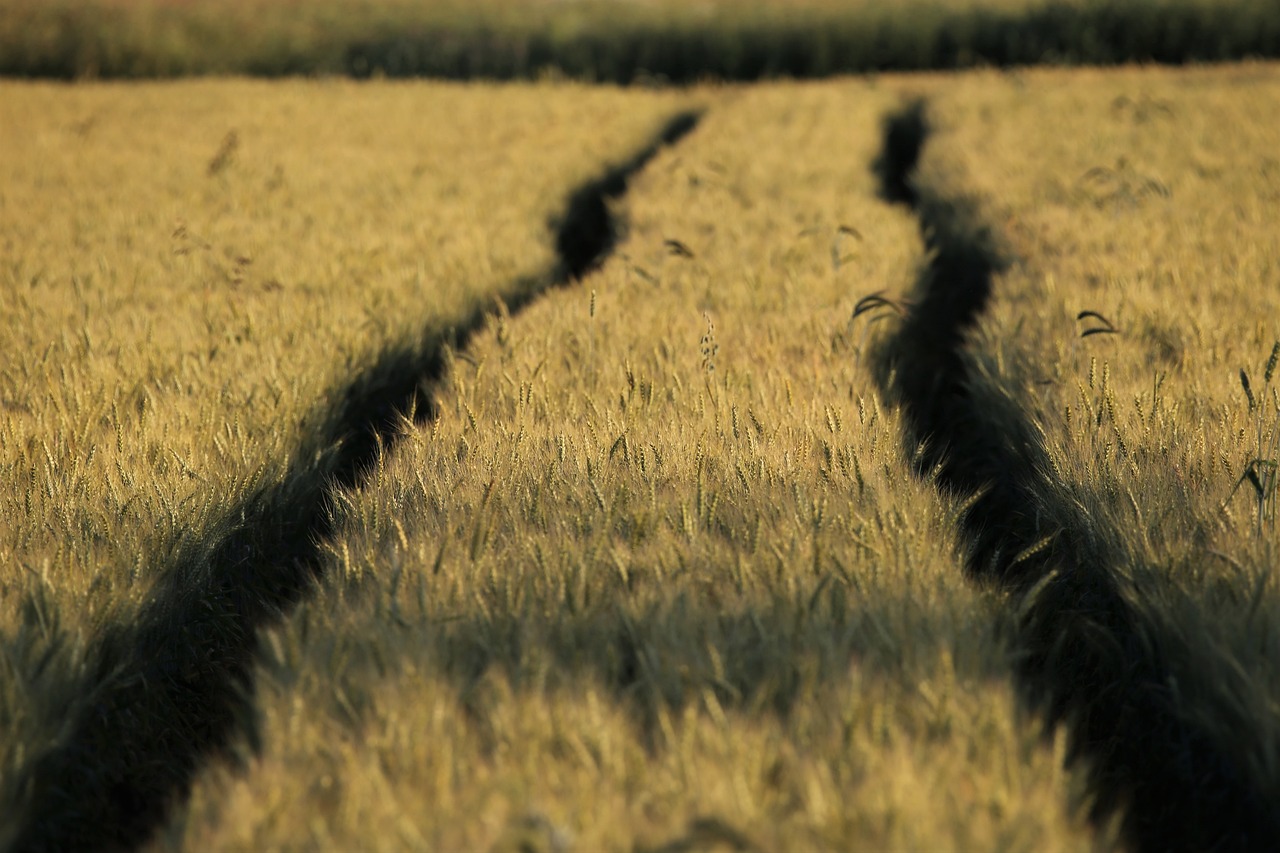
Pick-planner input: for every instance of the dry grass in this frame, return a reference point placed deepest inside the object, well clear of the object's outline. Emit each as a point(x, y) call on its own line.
point(659, 575)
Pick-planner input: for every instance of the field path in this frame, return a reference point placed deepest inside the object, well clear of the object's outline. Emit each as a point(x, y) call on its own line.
point(188, 659)
point(1091, 658)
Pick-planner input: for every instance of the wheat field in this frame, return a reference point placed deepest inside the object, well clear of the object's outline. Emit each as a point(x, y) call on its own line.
point(189, 300)
point(655, 571)
point(658, 571)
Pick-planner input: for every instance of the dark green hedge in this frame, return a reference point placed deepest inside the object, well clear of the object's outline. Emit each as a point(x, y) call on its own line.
point(895, 37)
point(1105, 34)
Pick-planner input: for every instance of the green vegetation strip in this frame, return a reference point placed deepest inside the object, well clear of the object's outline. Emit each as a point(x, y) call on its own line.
point(1091, 659)
point(177, 686)
point(615, 41)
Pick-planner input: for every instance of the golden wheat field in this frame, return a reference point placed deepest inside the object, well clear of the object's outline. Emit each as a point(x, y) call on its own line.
point(191, 272)
point(1151, 200)
point(654, 572)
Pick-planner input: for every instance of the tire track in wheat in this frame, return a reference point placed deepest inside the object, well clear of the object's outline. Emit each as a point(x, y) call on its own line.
point(1090, 659)
point(176, 687)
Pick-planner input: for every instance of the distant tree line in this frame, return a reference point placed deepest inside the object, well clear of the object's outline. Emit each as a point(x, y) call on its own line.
point(68, 40)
